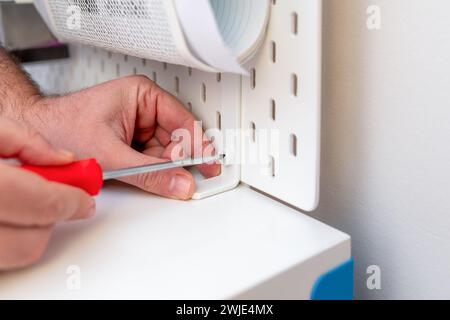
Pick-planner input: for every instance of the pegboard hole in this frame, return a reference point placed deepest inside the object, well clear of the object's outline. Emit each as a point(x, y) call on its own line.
point(272, 166)
point(177, 85)
point(294, 23)
point(294, 145)
point(117, 70)
point(273, 109)
point(253, 78)
point(218, 120)
point(253, 129)
point(273, 51)
point(294, 85)
point(203, 92)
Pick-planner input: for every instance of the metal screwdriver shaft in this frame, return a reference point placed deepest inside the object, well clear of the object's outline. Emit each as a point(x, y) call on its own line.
point(114, 174)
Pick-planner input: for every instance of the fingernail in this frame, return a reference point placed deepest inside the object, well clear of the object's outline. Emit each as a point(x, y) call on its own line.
point(218, 170)
point(82, 215)
point(180, 187)
point(66, 154)
point(92, 209)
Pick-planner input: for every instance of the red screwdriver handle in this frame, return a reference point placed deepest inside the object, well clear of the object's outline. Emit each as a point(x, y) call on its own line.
point(84, 174)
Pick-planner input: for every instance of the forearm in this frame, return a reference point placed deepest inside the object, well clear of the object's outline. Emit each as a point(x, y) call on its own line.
point(17, 90)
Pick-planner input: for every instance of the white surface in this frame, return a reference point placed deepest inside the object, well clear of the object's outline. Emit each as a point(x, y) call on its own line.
point(296, 178)
point(386, 154)
point(172, 31)
point(243, 22)
point(204, 39)
point(148, 30)
point(142, 246)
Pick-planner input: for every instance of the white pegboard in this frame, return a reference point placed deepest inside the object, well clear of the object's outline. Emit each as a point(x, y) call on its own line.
point(283, 94)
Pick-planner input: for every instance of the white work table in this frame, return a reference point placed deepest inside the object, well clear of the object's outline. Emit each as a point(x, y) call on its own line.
point(239, 244)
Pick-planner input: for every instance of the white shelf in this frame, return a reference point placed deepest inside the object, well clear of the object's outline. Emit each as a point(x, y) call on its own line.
point(238, 244)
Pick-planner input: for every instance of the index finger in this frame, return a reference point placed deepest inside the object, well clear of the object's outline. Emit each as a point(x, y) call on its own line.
point(27, 200)
point(157, 107)
point(28, 145)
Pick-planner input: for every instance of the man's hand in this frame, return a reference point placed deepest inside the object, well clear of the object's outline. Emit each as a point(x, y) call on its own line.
point(30, 205)
point(106, 120)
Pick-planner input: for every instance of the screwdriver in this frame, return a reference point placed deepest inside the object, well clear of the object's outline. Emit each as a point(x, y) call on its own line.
point(89, 176)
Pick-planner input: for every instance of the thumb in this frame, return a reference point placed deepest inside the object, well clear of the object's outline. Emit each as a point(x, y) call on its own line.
point(175, 183)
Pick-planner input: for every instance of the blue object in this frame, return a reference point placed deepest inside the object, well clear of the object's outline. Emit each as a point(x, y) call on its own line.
point(336, 284)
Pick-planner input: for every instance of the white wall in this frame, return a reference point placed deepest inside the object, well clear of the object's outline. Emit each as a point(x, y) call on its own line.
point(386, 142)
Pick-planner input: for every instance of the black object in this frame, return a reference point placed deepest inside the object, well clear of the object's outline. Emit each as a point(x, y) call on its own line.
point(41, 54)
